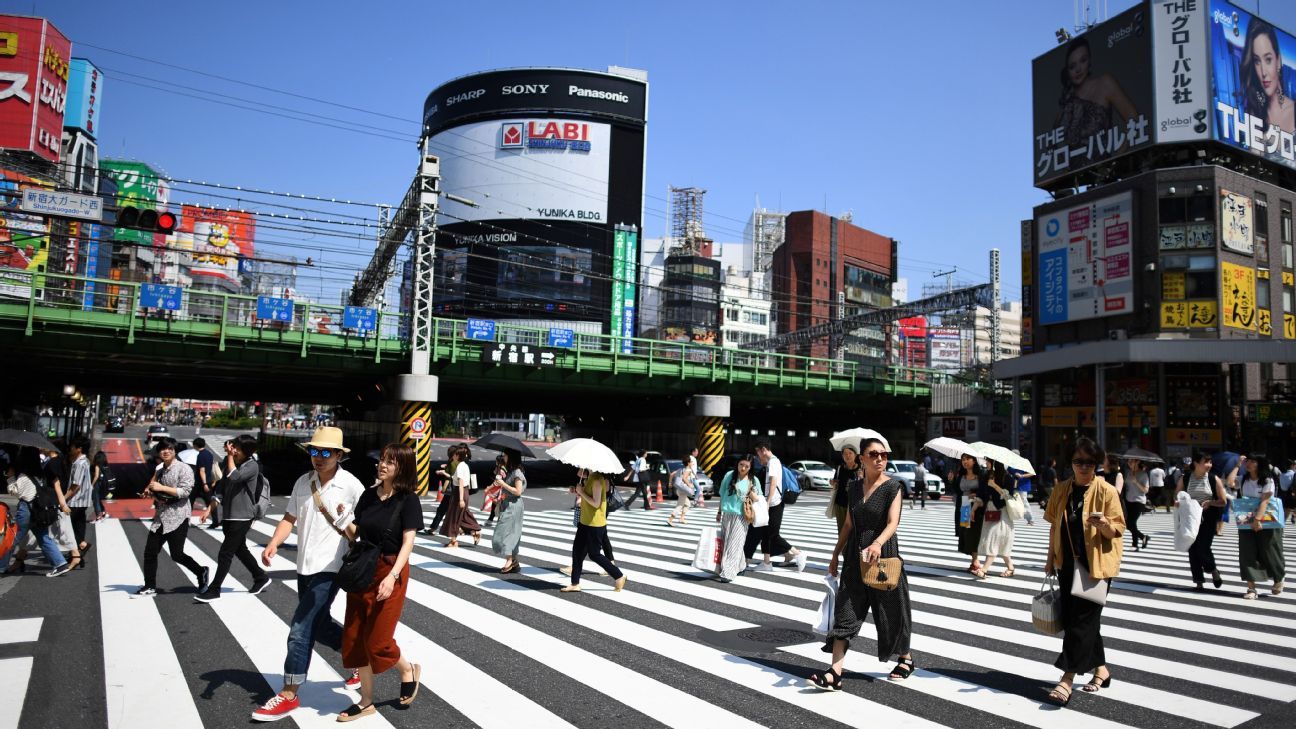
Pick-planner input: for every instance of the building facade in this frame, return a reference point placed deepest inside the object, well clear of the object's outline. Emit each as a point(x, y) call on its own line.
point(746, 309)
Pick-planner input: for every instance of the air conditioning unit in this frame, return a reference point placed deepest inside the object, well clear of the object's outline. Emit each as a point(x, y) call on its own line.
point(1118, 335)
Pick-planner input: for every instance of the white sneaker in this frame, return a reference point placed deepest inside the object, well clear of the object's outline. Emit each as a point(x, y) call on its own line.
point(801, 561)
point(763, 567)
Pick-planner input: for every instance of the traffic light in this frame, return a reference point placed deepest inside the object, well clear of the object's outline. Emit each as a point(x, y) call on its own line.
point(147, 219)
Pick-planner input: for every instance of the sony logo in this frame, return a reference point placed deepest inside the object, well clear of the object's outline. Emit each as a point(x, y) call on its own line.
point(525, 89)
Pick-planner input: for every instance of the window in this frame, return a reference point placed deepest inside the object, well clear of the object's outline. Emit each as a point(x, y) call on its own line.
point(1289, 300)
point(1286, 222)
point(1201, 208)
point(1261, 214)
point(1173, 210)
point(1262, 293)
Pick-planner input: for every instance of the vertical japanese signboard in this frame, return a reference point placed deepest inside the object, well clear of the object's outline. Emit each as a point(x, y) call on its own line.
point(1236, 221)
point(1237, 288)
point(1085, 261)
point(625, 273)
point(1028, 286)
point(618, 282)
point(1181, 61)
point(34, 58)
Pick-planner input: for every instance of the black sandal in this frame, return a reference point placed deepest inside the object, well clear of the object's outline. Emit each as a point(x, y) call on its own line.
point(1056, 696)
point(821, 680)
point(355, 711)
point(902, 670)
point(410, 689)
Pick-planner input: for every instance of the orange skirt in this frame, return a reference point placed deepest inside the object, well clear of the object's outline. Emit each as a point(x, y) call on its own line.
point(369, 635)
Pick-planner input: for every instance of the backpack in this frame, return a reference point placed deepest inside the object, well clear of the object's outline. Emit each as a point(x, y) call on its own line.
point(261, 499)
point(791, 486)
point(45, 507)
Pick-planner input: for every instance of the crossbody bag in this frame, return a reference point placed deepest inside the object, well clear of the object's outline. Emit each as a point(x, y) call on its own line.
point(360, 563)
point(1083, 583)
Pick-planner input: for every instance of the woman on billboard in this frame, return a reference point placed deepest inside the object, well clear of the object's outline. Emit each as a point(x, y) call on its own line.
point(1262, 78)
point(1090, 103)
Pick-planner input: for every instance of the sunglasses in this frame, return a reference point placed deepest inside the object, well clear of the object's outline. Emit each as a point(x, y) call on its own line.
point(876, 455)
point(321, 452)
point(1084, 463)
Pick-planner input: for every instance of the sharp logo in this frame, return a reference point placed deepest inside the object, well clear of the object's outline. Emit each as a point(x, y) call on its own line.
point(573, 136)
point(465, 96)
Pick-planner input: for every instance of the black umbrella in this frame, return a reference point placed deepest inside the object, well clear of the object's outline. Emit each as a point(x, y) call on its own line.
point(26, 438)
point(501, 442)
point(1138, 454)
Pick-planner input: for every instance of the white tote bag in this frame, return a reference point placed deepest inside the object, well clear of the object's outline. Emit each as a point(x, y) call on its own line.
point(826, 606)
point(1187, 519)
point(60, 530)
point(760, 508)
point(709, 548)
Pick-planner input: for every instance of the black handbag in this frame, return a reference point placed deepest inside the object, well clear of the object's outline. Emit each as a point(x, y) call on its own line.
point(361, 560)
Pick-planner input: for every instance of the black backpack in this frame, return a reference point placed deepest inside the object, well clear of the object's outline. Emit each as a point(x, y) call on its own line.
point(45, 507)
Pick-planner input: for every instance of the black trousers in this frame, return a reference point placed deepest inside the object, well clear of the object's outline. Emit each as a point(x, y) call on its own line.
point(1082, 643)
point(1133, 510)
point(79, 523)
point(640, 488)
point(768, 537)
point(198, 493)
point(588, 543)
point(442, 506)
point(235, 545)
point(1201, 559)
point(175, 541)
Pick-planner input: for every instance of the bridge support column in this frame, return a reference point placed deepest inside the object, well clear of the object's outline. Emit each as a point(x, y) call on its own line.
point(417, 394)
point(712, 411)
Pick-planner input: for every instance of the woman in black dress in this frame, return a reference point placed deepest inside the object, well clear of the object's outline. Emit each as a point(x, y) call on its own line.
point(870, 534)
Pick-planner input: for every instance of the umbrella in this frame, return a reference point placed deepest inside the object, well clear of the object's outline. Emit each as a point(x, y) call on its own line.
point(999, 454)
point(189, 457)
point(854, 437)
point(587, 453)
point(9, 436)
point(501, 442)
point(952, 447)
point(1138, 454)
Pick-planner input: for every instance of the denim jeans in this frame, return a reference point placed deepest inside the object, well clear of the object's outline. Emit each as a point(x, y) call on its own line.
point(315, 594)
point(43, 538)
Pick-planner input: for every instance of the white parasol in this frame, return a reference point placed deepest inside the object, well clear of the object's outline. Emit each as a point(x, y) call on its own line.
point(999, 454)
point(188, 457)
point(854, 437)
point(952, 447)
point(587, 453)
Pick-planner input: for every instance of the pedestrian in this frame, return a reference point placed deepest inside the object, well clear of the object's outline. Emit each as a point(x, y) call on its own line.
point(1135, 492)
point(459, 518)
point(969, 481)
point(591, 531)
point(685, 488)
point(501, 477)
point(445, 483)
point(80, 493)
point(639, 478)
point(506, 541)
point(1208, 490)
point(1047, 480)
point(26, 480)
point(1260, 551)
point(1156, 486)
point(848, 473)
point(56, 471)
point(868, 536)
point(1086, 525)
point(997, 530)
point(772, 542)
point(692, 463)
point(321, 507)
point(236, 495)
point(169, 488)
point(104, 480)
point(920, 486)
point(369, 633)
point(204, 481)
point(1287, 485)
point(736, 489)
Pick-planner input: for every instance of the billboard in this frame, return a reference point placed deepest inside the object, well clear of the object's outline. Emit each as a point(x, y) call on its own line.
point(84, 97)
point(1085, 261)
point(1238, 291)
point(945, 349)
point(138, 185)
point(1254, 77)
point(34, 62)
point(216, 240)
point(525, 169)
point(1182, 81)
point(1093, 97)
point(24, 239)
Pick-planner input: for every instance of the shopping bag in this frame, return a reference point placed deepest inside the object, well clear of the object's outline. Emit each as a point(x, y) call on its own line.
point(965, 514)
point(825, 624)
point(1187, 520)
point(760, 510)
point(1046, 607)
point(60, 530)
point(1244, 513)
point(1014, 508)
point(709, 548)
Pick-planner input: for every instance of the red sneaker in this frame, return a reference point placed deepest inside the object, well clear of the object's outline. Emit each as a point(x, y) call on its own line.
point(276, 708)
point(354, 680)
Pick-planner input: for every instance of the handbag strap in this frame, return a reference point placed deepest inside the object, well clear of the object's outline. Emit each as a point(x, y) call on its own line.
point(319, 504)
point(396, 513)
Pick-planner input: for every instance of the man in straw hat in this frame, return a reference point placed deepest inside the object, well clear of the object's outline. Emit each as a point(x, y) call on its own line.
point(321, 506)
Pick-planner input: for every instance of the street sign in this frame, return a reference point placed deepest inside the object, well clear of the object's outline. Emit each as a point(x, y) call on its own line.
point(63, 204)
point(480, 330)
point(521, 354)
point(418, 428)
point(158, 296)
point(360, 318)
point(561, 338)
point(272, 309)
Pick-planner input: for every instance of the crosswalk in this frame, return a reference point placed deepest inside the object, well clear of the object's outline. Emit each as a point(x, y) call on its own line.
point(676, 649)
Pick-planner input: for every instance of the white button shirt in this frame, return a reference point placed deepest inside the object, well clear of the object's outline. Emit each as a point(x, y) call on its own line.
point(319, 546)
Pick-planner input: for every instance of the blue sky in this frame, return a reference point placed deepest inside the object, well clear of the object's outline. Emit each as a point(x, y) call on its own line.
point(876, 108)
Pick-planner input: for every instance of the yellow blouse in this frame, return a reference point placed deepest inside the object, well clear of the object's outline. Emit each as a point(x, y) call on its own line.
point(1104, 554)
point(589, 515)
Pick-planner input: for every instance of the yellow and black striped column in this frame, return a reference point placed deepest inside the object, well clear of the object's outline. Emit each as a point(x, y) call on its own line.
point(416, 432)
point(711, 442)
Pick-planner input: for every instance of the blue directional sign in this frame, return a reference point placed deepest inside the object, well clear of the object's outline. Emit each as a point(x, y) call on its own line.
point(272, 309)
point(158, 296)
point(360, 318)
point(480, 330)
point(561, 338)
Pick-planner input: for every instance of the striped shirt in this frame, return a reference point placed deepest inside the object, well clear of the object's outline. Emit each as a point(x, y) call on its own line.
point(1200, 488)
point(80, 477)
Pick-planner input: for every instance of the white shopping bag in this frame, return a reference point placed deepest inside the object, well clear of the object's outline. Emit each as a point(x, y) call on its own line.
point(709, 548)
point(1187, 519)
point(760, 507)
point(62, 532)
point(824, 626)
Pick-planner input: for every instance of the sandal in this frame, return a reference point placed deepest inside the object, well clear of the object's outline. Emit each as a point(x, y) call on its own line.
point(1095, 683)
point(902, 670)
point(569, 588)
point(515, 568)
point(476, 538)
point(980, 574)
point(410, 689)
point(1008, 572)
point(1276, 589)
point(355, 711)
point(1057, 697)
point(1251, 594)
point(828, 681)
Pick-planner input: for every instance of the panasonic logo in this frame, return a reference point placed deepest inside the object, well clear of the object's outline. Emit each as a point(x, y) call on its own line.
point(597, 94)
point(516, 89)
point(465, 96)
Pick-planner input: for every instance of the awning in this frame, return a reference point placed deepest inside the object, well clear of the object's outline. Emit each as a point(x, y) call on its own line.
point(1169, 351)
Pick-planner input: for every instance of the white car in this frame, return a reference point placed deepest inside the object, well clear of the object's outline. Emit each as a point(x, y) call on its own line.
point(904, 470)
point(813, 474)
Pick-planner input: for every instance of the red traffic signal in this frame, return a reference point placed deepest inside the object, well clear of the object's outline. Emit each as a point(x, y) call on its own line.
point(147, 220)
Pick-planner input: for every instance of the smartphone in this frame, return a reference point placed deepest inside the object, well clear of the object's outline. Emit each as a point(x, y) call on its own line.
point(1095, 514)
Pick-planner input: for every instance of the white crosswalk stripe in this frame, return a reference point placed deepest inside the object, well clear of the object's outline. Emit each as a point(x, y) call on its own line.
point(675, 649)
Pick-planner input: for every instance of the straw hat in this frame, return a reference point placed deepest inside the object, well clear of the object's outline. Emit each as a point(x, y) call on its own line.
point(326, 437)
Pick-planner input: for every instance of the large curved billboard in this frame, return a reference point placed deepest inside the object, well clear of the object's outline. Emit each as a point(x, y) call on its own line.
point(551, 160)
